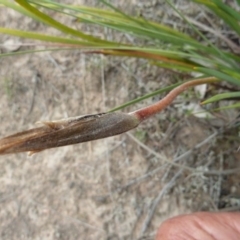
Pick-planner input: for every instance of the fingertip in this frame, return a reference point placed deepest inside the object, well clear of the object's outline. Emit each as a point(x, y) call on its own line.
point(201, 225)
point(169, 229)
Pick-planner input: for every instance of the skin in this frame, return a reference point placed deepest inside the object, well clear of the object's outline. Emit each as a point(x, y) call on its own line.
point(201, 226)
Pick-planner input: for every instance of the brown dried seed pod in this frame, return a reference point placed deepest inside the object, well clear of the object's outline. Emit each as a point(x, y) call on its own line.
point(68, 131)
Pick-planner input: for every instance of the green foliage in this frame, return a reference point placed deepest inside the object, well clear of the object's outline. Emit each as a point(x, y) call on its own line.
point(222, 96)
point(166, 47)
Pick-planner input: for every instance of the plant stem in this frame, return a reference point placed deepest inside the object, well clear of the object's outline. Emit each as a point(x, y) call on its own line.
point(87, 128)
point(153, 109)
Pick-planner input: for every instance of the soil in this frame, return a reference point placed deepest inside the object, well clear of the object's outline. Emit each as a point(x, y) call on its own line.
point(121, 187)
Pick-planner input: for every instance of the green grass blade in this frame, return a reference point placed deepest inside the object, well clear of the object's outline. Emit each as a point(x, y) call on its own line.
point(229, 15)
point(222, 96)
point(173, 50)
point(225, 8)
point(45, 38)
point(63, 28)
point(12, 54)
point(18, 8)
point(218, 74)
point(162, 90)
point(235, 105)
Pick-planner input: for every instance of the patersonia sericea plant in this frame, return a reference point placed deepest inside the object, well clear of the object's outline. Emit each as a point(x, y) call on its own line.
point(89, 127)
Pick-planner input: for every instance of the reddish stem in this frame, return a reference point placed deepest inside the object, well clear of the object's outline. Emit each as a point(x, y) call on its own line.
point(86, 128)
point(149, 111)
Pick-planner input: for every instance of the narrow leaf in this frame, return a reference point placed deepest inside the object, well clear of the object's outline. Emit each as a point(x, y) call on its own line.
point(51, 22)
point(222, 96)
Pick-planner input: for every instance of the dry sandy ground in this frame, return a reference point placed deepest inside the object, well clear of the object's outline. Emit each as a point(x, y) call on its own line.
point(116, 188)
